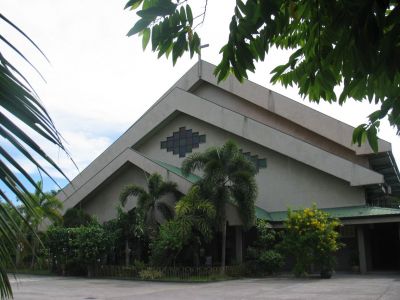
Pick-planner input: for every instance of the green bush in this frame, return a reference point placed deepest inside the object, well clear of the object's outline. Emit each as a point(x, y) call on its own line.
point(168, 244)
point(263, 257)
point(74, 248)
point(150, 274)
point(271, 261)
point(311, 238)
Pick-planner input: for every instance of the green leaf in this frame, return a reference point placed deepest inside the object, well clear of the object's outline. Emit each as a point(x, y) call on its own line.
point(182, 15)
point(133, 4)
point(373, 138)
point(194, 45)
point(189, 15)
point(139, 26)
point(179, 47)
point(146, 37)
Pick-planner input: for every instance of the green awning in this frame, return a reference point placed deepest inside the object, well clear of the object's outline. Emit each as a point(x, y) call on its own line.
point(337, 212)
point(191, 177)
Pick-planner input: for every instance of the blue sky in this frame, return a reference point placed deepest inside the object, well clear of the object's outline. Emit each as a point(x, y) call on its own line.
point(99, 81)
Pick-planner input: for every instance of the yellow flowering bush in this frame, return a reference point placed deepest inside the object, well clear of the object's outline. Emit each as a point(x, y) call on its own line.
point(311, 238)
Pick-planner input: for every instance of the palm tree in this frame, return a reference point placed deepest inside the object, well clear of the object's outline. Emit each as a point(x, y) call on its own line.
point(196, 216)
point(149, 202)
point(47, 207)
point(228, 176)
point(19, 104)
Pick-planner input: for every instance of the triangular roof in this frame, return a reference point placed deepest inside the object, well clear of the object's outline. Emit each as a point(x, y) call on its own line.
point(179, 99)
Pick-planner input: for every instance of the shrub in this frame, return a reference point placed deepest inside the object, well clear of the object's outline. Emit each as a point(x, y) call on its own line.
point(271, 261)
point(168, 244)
point(150, 274)
point(263, 257)
point(311, 238)
point(72, 249)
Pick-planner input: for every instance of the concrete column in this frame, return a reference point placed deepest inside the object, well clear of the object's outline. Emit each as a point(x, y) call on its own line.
point(361, 249)
point(239, 244)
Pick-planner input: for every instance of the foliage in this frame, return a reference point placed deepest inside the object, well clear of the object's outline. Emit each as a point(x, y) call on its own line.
point(311, 237)
point(196, 214)
point(47, 209)
point(150, 274)
point(22, 116)
point(353, 44)
point(76, 217)
point(169, 243)
point(149, 203)
point(228, 177)
point(263, 256)
point(84, 246)
point(192, 226)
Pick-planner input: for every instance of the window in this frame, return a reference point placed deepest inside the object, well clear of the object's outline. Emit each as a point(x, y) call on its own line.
point(183, 141)
point(259, 163)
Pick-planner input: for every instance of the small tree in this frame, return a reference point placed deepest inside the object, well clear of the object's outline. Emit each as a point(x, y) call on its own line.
point(76, 217)
point(92, 244)
point(149, 202)
point(127, 228)
point(192, 226)
point(262, 256)
point(228, 177)
point(311, 238)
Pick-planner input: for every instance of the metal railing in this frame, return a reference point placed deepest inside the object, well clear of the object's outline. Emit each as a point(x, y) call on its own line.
point(167, 273)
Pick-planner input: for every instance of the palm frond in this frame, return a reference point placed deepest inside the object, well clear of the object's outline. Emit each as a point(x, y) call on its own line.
point(193, 162)
point(166, 188)
point(166, 211)
point(20, 103)
point(130, 190)
point(154, 183)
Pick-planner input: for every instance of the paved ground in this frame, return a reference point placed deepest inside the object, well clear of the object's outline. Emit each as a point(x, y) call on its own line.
point(376, 286)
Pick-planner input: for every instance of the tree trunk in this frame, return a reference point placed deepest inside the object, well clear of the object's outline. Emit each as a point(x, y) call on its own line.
point(223, 250)
point(127, 252)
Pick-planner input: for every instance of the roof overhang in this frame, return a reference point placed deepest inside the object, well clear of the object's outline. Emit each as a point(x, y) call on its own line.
point(348, 215)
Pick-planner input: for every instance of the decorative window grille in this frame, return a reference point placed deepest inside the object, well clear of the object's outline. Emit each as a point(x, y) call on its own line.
point(183, 141)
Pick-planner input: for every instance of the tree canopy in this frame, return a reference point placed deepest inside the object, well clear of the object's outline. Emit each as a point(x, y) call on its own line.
point(149, 203)
point(353, 45)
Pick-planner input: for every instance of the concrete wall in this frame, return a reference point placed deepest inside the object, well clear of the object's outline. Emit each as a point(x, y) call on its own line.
point(235, 103)
point(103, 201)
point(284, 183)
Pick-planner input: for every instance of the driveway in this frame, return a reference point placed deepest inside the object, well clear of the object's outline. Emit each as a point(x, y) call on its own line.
point(373, 286)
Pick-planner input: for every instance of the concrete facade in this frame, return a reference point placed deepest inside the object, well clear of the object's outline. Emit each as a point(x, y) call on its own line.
point(284, 183)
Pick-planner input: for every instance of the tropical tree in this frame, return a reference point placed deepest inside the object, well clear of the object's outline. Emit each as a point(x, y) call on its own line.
point(228, 177)
point(192, 225)
point(127, 228)
point(76, 217)
point(348, 44)
point(48, 207)
point(22, 116)
point(196, 216)
point(311, 238)
point(149, 202)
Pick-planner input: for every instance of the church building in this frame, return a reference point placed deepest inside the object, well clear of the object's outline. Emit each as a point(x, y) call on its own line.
point(302, 156)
